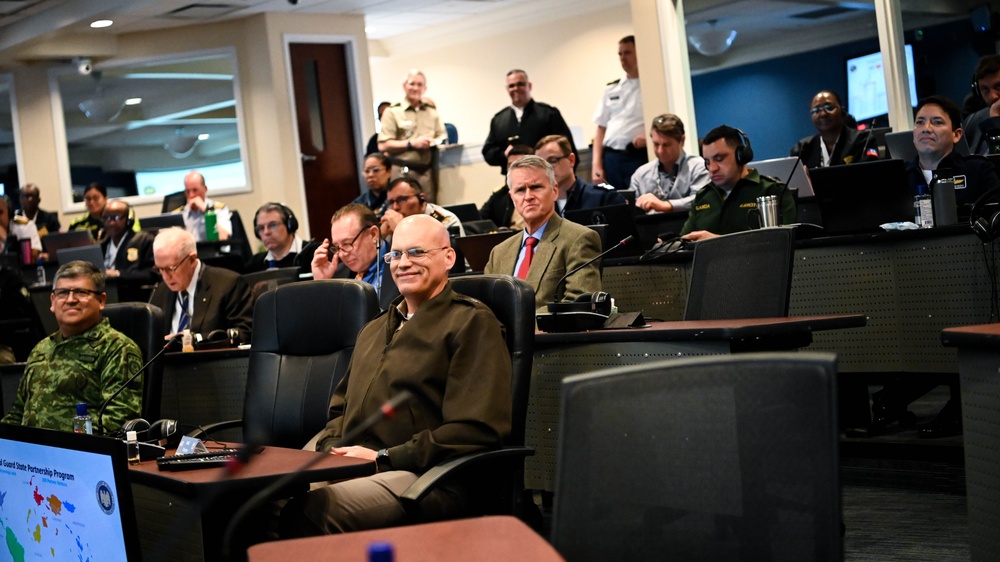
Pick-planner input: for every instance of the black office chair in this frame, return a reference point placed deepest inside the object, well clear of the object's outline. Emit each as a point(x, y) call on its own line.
point(712, 458)
point(261, 282)
point(303, 338)
point(742, 275)
point(502, 477)
point(145, 324)
point(172, 201)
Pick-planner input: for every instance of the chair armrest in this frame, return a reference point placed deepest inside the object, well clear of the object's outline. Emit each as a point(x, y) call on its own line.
point(430, 479)
point(202, 430)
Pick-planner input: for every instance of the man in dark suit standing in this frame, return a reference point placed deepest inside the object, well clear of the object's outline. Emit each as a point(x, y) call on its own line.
point(198, 296)
point(549, 246)
point(128, 255)
point(525, 122)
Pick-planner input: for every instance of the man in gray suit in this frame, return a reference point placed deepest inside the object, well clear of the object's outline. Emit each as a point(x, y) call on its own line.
point(549, 246)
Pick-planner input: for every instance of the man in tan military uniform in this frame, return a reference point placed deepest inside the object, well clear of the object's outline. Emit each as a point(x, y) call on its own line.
point(85, 361)
point(410, 131)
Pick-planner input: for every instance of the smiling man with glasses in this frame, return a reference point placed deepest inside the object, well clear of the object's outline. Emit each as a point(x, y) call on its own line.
point(574, 193)
point(354, 250)
point(194, 295)
point(85, 361)
point(836, 142)
point(446, 349)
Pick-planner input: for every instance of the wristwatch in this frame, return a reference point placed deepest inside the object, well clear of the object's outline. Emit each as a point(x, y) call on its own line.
point(382, 461)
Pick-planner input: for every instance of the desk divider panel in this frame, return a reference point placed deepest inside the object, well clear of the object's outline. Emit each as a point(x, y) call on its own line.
point(205, 391)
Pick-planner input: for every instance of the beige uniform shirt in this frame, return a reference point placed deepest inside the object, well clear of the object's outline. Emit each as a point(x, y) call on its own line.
point(402, 121)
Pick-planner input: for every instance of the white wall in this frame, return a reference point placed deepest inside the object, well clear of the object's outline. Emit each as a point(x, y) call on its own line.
point(569, 63)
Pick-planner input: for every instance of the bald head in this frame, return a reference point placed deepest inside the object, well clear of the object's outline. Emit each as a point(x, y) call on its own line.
point(194, 185)
point(422, 276)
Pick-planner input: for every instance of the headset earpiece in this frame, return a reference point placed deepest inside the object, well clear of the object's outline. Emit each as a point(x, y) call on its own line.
point(744, 152)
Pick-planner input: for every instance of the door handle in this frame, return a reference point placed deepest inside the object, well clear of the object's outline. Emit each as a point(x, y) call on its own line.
point(308, 158)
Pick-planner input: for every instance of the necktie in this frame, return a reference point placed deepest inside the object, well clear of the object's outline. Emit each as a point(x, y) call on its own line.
point(185, 318)
point(529, 252)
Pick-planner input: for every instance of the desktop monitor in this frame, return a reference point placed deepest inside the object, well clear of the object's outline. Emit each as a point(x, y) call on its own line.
point(621, 224)
point(159, 222)
point(858, 198)
point(866, 97)
point(65, 496)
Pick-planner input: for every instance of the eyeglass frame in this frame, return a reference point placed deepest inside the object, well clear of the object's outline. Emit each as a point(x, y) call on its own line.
point(825, 108)
point(171, 270)
point(414, 254)
point(349, 247)
point(63, 294)
point(272, 226)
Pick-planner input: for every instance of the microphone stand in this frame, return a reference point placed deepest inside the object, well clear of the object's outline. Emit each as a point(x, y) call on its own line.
point(104, 405)
point(595, 258)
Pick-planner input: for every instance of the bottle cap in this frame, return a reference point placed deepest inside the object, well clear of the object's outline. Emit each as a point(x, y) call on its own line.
point(380, 552)
point(131, 436)
point(81, 409)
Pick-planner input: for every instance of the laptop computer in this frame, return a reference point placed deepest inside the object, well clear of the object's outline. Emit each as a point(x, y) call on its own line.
point(477, 247)
point(66, 496)
point(900, 146)
point(621, 224)
point(790, 171)
point(52, 243)
point(92, 254)
point(857, 198)
point(159, 222)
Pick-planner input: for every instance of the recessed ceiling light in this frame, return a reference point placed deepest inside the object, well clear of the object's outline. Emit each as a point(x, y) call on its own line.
point(101, 23)
point(133, 101)
point(203, 136)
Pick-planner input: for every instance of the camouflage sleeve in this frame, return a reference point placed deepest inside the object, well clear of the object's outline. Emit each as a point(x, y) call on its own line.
point(120, 361)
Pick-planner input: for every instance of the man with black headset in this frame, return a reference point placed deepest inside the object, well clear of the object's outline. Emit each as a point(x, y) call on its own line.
point(275, 226)
point(722, 206)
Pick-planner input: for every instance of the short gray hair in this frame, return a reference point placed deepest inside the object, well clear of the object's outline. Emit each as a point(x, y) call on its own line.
point(535, 163)
point(176, 238)
point(77, 269)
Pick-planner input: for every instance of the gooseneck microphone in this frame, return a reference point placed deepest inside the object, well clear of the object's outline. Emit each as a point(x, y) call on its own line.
point(595, 258)
point(104, 405)
point(386, 411)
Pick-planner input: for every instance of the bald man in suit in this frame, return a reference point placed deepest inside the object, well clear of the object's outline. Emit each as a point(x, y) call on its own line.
point(559, 245)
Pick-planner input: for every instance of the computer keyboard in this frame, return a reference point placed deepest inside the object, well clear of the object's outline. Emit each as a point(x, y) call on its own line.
point(194, 461)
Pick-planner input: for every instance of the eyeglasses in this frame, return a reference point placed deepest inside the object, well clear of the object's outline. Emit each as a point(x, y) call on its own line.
point(346, 248)
point(114, 218)
point(272, 226)
point(415, 254)
point(81, 294)
point(170, 270)
point(401, 199)
point(555, 159)
point(373, 170)
point(826, 107)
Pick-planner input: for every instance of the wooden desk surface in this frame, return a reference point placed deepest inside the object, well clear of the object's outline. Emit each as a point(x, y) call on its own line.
point(263, 468)
point(481, 538)
point(692, 330)
point(980, 336)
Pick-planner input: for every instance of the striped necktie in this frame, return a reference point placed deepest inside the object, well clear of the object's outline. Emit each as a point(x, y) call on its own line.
point(185, 318)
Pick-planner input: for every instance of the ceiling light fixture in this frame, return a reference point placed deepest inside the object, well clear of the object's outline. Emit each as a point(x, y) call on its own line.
point(712, 41)
point(133, 101)
point(101, 23)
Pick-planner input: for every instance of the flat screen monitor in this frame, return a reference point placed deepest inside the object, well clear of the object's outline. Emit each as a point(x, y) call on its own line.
point(65, 496)
point(866, 85)
point(620, 225)
point(858, 198)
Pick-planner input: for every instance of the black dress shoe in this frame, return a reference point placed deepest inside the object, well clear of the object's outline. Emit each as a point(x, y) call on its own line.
point(948, 423)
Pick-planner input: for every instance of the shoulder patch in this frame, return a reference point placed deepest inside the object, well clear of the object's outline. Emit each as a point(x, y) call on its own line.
point(605, 186)
point(615, 82)
point(19, 219)
point(218, 205)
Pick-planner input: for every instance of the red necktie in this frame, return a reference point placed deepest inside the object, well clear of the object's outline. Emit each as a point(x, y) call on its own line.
point(529, 252)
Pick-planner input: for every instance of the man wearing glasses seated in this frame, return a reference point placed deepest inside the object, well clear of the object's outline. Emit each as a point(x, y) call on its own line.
point(836, 142)
point(574, 193)
point(197, 296)
point(354, 250)
point(275, 226)
point(406, 198)
point(445, 348)
point(85, 361)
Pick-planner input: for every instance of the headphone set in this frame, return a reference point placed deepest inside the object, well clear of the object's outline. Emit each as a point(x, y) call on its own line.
point(287, 218)
point(743, 152)
point(161, 432)
point(985, 217)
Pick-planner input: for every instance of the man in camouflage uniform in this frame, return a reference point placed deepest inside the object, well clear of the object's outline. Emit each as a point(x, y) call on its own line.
point(85, 361)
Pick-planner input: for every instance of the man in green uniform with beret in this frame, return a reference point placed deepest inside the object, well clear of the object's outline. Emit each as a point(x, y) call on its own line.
point(85, 361)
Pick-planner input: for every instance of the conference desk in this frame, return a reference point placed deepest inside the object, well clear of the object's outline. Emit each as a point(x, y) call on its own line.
point(181, 516)
point(557, 356)
point(462, 540)
point(979, 373)
point(202, 387)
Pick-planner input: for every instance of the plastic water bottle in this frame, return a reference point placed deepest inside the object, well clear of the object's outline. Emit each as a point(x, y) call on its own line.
point(40, 272)
point(211, 225)
point(82, 423)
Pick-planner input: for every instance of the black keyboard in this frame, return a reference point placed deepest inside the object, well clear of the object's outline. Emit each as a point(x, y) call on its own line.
point(194, 461)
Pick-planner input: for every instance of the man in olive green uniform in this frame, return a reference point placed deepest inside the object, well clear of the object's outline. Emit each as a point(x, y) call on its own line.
point(722, 206)
point(85, 361)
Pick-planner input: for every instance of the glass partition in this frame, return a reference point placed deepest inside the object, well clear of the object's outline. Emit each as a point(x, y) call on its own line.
point(8, 148)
